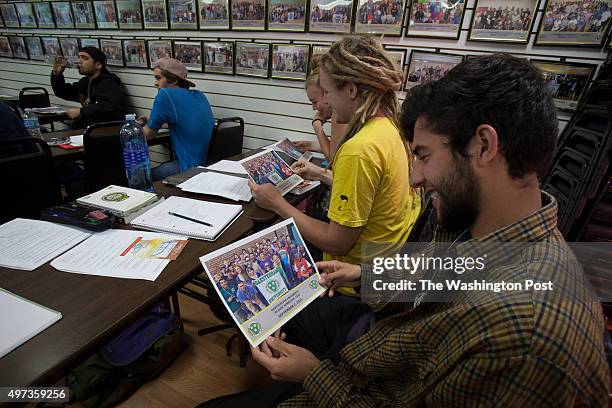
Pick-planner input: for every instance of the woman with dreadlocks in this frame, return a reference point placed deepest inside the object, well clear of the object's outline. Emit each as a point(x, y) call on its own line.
point(372, 208)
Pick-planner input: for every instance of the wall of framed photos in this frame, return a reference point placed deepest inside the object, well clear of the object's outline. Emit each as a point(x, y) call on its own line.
point(250, 63)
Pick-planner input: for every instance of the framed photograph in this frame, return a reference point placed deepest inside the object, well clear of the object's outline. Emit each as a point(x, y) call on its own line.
point(9, 14)
point(35, 49)
point(214, 14)
point(398, 56)
point(567, 81)
point(330, 16)
point(379, 17)
point(248, 15)
point(571, 22)
point(158, 49)
point(18, 46)
point(287, 15)
point(51, 48)
point(62, 13)
point(106, 15)
point(252, 59)
point(436, 18)
point(44, 15)
point(1, 21)
point(25, 12)
point(290, 61)
point(319, 49)
point(5, 47)
point(70, 49)
point(255, 275)
point(89, 42)
point(219, 57)
point(183, 15)
point(155, 14)
point(429, 66)
point(503, 20)
point(83, 14)
point(189, 53)
point(135, 52)
point(113, 51)
point(129, 14)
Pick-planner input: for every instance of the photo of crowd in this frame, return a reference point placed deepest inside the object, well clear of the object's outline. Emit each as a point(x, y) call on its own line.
point(135, 53)
point(503, 18)
point(426, 66)
point(251, 276)
point(379, 16)
point(83, 14)
point(577, 16)
point(214, 14)
point(35, 49)
point(159, 49)
point(18, 46)
point(63, 16)
point(44, 15)
point(290, 61)
point(89, 42)
point(287, 15)
point(249, 13)
point(437, 18)
point(566, 82)
point(26, 15)
point(51, 47)
point(331, 16)
point(219, 57)
point(129, 14)
point(252, 59)
point(106, 16)
point(269, 167)
point(189, 53)
point(5, 47)
point(9, 14)
point(70, 49)
point(113, 51)
point(155, 14)
point(183, 14)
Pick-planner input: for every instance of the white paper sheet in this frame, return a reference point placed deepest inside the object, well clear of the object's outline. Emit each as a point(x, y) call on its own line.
point(20, 320)
point(101, 255)
point(28, 244)
point(234, 188)
point(228, 166)
point(76, 140)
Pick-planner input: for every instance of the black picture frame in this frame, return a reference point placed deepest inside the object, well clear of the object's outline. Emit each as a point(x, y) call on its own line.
point(153, 54)
point(89, 42)
point(419, 28)
point(450, 60)
point(553, 36)
point(25, 14)
point(5, 47)
point(322, 21)
point(221, 14)
point(486, 34)
point(284, 19)
point(388, 24)
point(244, 24)
point(62, 13)
point(35, 48)
point(242, 66)
point(134, 20)
point(113, 49)
point(283, 65)
point(178, 48)
point(183, 14)
point(155, 14)
point(51, 48)
point(211, 49)
point(83, 14)
point(18, 46)
point(135, 53)
point(70, 49)
point(43, 14)
point(563, 68)
point(102, 8)
point(9, 15)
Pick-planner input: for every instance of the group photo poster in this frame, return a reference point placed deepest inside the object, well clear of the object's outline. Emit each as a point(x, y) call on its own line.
point(264, 279)
point(566, 81)
point(214, 14)
point(436, 18)
point(503, 20)
point(379, 17)
point(269, 167)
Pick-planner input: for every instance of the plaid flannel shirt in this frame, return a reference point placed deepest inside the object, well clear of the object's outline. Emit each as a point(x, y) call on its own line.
point(515, 350)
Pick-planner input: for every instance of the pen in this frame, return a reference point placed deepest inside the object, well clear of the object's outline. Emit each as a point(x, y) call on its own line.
point(190, 219)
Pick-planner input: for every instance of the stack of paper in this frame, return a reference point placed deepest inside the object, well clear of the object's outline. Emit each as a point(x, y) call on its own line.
point(228, 166)
point(223, 185)
point(20, 320)
point(28, 244)
point(104, 254)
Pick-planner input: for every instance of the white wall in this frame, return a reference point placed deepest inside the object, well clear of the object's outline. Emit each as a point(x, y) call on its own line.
point(272, 109)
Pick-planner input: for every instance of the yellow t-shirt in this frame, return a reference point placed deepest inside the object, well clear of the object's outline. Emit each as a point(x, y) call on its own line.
point(371, 188)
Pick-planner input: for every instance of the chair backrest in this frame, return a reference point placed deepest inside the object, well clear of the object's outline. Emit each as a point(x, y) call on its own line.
point(226, 140)
point(103, 157)
point(30, 182)
point(34, 97)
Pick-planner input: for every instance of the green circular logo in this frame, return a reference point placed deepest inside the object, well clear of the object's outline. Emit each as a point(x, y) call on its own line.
point(314, 284)
point(272, 285)
point(117, 197)
point(255, 328)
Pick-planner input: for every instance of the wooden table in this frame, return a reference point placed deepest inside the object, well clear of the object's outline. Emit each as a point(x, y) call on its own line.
point(94, 308)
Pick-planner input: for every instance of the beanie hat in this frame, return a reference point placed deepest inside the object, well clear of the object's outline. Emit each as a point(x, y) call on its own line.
point(95, 54)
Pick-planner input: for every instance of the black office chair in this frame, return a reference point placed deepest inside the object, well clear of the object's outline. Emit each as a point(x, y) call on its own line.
point(30, 182)
point(226, 140)
point(103, 158)
point(34, 97)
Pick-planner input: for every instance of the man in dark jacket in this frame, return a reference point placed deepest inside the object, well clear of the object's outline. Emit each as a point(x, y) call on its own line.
point(100, 92)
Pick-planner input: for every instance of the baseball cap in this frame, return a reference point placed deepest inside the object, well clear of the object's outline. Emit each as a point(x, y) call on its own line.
point(173, 66)
point(95, 53)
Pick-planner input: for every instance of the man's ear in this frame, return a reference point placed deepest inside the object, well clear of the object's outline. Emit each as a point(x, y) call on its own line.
point(486, 143)
point(99, 65)
point(352, 90)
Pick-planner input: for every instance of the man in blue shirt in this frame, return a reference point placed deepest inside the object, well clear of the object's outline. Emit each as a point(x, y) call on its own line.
point(248, 295)
point(187, 113)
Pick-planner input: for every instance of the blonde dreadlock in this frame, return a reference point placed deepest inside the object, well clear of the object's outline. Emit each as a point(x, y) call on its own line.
point(362, 60)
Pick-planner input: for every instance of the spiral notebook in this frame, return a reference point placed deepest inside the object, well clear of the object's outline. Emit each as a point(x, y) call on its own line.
point(193, 218)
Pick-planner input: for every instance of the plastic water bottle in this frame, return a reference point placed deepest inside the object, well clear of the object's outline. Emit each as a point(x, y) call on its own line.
point(30, 120)
point(135, 154)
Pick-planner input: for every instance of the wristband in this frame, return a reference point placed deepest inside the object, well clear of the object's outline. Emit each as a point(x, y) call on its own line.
point(319, 120)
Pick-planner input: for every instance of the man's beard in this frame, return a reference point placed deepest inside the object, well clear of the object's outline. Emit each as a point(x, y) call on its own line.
point(458, 197)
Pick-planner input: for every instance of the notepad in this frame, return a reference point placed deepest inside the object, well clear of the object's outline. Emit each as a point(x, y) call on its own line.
point(119, 200)
point(220, 216)
point(20, 320)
